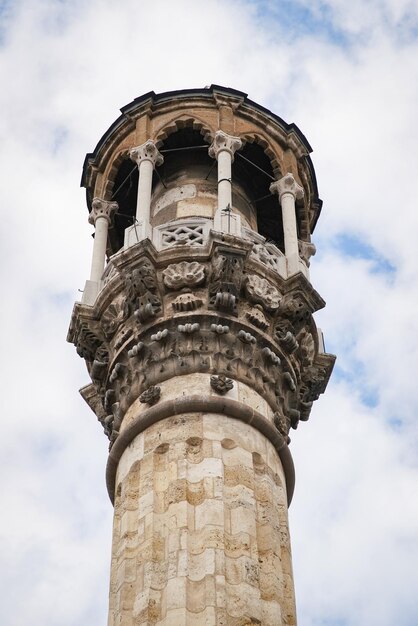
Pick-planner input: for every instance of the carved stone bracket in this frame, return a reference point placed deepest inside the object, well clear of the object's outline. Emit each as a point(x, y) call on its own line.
point(226, 279)
point(142, 297)
point(306, 250)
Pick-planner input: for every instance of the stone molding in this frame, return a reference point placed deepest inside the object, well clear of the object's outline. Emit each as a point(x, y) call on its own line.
point(102, 208)
point(225, 142)
point(148, 151)
point(285, 185)
point(198, 404)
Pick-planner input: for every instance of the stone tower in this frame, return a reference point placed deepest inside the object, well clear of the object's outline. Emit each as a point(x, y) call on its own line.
point(196, 327)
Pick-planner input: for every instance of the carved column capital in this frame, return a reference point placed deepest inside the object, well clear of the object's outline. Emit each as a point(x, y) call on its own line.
point(148, 151)
point(287, 184)
point(102, 208)
point(224, 142)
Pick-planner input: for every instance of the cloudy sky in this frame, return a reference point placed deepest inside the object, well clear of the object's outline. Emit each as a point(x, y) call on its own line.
point(347, 74)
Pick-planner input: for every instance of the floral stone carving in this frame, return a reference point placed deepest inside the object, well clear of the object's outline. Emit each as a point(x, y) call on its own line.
point(260, 291)
point(257, 317)
point(150, 395)
point(184, 275)
point(142, 292)
point(221, 384)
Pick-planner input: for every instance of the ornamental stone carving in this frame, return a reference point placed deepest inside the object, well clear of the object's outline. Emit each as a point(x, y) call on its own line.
point(142, 298)
point(226, 279)
point(102, 208)
point(260, 291)
point(148, 151)
point(222, 141)
point(186, 302)
point(306, 348)
point(111, 319)
point(184, 275)
point(287, 184)
point(282, 424)
point(257, 317)
point(306, 250)
point(282, 367)
point(221, 384)
point(151, 395)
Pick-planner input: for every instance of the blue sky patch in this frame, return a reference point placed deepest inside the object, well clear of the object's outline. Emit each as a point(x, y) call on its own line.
point(352, 246)
point(300, 20)
point(357, 378)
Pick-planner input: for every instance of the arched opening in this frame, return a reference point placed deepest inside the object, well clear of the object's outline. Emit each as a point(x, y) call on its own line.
point(125, 192)
point(186, 184)
point(253, 172)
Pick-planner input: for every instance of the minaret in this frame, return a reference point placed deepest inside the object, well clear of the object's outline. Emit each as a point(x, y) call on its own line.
point(197, 329)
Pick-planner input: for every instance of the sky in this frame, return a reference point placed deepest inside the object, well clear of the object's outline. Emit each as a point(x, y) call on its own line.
point(347, 74)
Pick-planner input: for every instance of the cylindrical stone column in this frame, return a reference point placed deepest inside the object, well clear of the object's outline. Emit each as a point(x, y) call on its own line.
point(201, 526)
point(147, 157)
point(288, 191)
point(223, 149)
point(100, 216)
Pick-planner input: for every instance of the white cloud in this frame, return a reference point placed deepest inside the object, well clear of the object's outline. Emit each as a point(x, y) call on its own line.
point(66, 68)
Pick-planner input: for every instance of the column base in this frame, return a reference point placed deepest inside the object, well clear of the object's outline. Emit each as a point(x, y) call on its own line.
point(136, 233)
point(227, 222)
point(91, 290)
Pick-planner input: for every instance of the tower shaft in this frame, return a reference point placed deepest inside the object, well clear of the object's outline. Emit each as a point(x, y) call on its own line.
point(203, 353)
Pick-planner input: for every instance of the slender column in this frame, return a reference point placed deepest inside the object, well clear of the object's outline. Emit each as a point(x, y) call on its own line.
point(100, 216)
point(222, 149)
point(288, 191)
point(147, 157)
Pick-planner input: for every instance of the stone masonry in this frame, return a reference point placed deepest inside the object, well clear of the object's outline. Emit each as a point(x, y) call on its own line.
point(202, 351)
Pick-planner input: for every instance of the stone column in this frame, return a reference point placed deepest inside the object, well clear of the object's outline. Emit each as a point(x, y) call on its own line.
point(147, 157)
point(200, 528)
point(288, 191)
point(100, 216)
point(223, 149)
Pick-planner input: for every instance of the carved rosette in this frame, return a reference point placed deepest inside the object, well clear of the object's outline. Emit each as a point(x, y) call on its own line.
point(184, 275)
point(227, 321)
point(221, 384)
